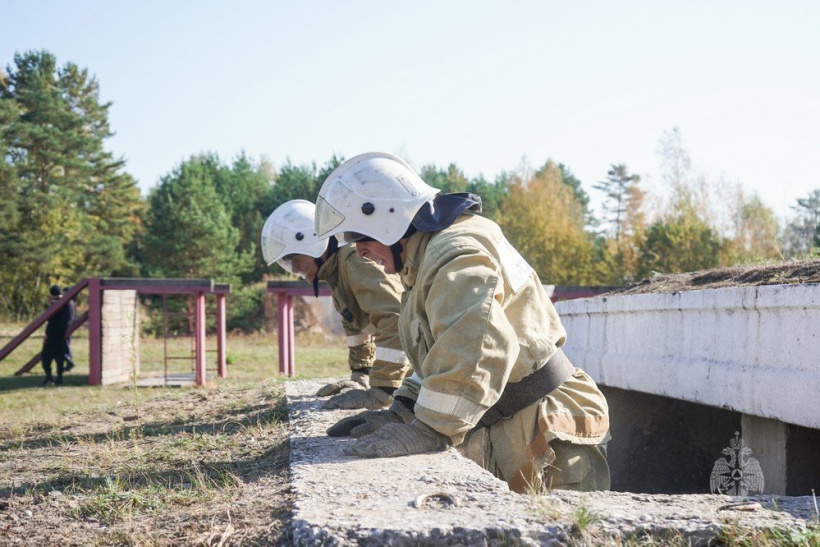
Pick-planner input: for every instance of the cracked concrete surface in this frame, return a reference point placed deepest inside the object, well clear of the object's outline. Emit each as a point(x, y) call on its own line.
point(444, 498)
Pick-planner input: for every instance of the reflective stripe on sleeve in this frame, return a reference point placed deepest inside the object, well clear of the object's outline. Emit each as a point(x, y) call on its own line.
point(358, 340)
point(451, 405)
point(391, 356)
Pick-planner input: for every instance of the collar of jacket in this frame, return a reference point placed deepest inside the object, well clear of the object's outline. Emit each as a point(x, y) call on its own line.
point(413, 255)
point(329, 270)
point(416, 247)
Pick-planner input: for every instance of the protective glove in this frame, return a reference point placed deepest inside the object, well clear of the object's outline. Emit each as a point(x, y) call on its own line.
point(369, 421)
point(358, 380)
point(394, 440)
point(372, 398)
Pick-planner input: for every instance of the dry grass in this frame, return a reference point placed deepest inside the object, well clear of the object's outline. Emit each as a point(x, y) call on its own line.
point(778, 273)
point(84, 465)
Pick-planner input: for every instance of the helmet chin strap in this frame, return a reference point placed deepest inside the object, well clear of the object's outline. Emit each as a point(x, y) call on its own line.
point(332, 249)
point(397, 249)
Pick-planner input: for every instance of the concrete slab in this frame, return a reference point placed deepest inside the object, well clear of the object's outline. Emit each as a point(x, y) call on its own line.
point(343, 500)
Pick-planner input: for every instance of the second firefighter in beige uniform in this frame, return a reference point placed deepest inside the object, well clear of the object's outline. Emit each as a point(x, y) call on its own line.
point(368, 302)
point(367, 299)
point(476, 323)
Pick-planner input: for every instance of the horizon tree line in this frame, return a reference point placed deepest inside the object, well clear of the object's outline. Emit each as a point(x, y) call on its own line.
point(69, 209)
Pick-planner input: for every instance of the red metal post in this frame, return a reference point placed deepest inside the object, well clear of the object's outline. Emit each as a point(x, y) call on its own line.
point(285, 291)
point(221, 367)
point(284, 327)
point(199, 354)
point(291, 363)
point(95, 363)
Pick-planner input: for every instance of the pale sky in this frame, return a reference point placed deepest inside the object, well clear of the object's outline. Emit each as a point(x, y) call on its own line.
point(482, 84)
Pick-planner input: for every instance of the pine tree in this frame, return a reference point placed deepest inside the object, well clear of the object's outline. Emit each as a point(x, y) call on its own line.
point(447, 180)
point(189, 232)
point(804, 231)
point(75, 210)
point(616, 187)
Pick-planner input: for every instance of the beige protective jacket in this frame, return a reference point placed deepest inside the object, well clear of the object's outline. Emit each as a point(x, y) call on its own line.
point(368, 301)
point(474, 317)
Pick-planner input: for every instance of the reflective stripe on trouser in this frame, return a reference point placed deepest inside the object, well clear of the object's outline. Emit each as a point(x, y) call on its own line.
point(390, 366)
point(358, 339)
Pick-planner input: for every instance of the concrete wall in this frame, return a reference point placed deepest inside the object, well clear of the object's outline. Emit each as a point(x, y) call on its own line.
point(750, 352)
point(755, 350)
point(120, 336)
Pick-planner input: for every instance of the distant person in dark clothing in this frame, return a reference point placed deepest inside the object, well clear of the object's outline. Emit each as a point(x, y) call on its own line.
point(72, 308)
point(55, 346)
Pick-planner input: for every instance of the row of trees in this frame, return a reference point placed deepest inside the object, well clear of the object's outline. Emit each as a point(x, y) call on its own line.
point(68, 208)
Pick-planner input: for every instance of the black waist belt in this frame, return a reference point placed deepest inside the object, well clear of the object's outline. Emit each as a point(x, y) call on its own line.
point(519, 395)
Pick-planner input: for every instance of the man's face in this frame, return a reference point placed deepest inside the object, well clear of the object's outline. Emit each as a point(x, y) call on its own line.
point(378, 253)
point(304, 266)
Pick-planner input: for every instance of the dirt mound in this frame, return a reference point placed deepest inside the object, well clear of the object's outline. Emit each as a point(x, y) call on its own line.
point(782, 273)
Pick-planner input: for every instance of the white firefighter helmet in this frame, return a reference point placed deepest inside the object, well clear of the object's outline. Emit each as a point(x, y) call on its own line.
point(290, 229)
point(374, 195)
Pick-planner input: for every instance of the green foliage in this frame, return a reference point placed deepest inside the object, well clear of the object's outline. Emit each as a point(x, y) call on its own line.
point(617, 251)
point(580, 195)
point(544, 220)
point(453, 179)
point(69, 211)
point(247, 309)
point(448, 181)
point(244, 189)
point(616, 189)
point(803, 232)
point(683, 239)
point(298, 182)
point(756, 234)
point(492, 194)
point(583, 519)
point(189, 229)
point(683, 243)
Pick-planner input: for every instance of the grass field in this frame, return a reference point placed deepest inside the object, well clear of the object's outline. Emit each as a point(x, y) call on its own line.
point(114, 465)
point(253, 359)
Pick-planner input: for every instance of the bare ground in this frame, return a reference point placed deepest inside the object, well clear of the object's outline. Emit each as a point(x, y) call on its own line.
point(201, 467)
point(782, 273)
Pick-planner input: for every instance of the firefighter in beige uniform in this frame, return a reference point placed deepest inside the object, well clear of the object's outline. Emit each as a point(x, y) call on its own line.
point(482, 335)
point(366, 298)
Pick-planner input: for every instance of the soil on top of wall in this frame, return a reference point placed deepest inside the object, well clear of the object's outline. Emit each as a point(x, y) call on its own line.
point(782, 273)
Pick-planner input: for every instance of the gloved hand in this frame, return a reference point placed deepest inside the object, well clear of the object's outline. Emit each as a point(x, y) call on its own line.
point(394, 440)
point(358, 380)
point(369, 421)
point(372, 398)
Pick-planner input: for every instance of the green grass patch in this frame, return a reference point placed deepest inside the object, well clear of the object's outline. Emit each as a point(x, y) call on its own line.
point(255, 362)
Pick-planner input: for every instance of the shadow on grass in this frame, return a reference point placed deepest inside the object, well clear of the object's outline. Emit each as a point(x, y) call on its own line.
point(213, 475)
point(29, 381)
